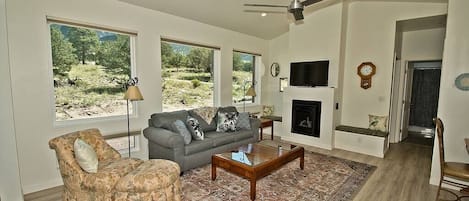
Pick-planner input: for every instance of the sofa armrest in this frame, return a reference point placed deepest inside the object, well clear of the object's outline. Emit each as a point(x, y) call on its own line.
point(163, 137)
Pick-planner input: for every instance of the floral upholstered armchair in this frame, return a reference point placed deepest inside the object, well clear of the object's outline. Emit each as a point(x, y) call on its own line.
point(113, 171)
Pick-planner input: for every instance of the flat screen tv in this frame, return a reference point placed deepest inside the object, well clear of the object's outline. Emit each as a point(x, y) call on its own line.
point(311, 73)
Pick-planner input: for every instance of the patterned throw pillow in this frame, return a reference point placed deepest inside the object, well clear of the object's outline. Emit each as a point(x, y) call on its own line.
point(243, 121)
point(206, 113)
point(180, 127)
point(194, 128)
point(378, 123)
point(85, 156)
point(227, 121)
point(267, 110)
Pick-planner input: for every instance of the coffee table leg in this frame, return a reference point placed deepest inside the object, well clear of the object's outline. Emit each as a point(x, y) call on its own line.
point(214, 171)
point(253, 189)
point(302, 160)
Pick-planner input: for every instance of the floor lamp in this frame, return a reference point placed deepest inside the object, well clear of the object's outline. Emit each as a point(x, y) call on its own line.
point(132, 94)
point(251, 92)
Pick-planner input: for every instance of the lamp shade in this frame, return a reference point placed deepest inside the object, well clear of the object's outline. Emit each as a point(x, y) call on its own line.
point(251, 91)
point(133, 94)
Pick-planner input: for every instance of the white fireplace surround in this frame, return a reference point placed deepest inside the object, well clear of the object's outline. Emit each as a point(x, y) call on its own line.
point(326, 96)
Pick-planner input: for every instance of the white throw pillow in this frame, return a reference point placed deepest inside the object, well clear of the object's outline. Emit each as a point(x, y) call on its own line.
point(85, 156)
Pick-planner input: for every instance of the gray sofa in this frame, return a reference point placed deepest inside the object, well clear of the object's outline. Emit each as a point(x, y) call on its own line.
point(166, 144)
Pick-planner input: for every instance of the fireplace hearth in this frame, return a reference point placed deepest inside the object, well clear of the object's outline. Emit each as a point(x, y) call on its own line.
point(306, 117)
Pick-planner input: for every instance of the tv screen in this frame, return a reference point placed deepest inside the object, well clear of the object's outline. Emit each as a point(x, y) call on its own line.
point(311, 73)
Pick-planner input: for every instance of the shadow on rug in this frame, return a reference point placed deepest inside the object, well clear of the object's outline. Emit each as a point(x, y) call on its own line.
point(324, 178)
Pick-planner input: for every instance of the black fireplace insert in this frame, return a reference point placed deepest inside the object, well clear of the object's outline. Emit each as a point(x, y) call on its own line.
point(306, 117)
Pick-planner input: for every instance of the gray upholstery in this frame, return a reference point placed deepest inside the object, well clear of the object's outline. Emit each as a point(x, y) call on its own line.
point(166, 144)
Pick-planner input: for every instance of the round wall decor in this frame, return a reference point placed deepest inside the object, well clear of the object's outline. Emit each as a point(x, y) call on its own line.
point(274, 69)
point(462, 82)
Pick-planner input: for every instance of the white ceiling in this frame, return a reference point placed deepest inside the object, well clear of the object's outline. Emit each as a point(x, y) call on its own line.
point(232, 15)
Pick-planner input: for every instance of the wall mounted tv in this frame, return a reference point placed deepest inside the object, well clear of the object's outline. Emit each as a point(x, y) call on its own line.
point(311, 73)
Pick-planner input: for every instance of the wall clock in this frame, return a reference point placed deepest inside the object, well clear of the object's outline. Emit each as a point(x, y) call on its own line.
point(274, 69)
point(366, 70)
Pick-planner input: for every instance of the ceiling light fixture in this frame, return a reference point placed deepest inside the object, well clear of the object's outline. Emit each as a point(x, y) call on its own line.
point(263, 14)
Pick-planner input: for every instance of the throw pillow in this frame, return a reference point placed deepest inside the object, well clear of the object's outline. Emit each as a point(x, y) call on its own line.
point(227, 121)
point(206, 113)
point(267, 110)
point(378, 123)
point(85, 156)
point(194, 128)
point(180, 127)
point(243, 121)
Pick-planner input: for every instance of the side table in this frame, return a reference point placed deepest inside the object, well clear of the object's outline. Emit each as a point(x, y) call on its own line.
point(267, 123)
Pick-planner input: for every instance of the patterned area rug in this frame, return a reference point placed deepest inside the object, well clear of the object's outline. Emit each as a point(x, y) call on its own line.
point(324, 178)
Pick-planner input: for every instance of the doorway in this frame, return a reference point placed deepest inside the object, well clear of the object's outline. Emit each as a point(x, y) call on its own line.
point(421, 101)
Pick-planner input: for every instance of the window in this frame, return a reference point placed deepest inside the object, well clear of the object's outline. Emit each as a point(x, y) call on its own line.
point(121, 144)
point(188, 75)
point(244, 76)
point(91, 66)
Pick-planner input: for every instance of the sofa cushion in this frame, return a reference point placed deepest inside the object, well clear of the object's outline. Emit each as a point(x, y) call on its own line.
point(166, 119)
point(203, 124)
point(197, 146)
point(220, 139)
point(242, 135)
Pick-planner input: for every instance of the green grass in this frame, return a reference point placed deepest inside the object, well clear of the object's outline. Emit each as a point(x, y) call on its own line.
point(95, 91)
point(92, 88)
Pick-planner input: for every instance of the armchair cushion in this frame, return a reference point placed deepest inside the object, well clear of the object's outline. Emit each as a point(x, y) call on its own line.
point(109, 172)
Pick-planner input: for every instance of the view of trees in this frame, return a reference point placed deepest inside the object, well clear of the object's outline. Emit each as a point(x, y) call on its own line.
point(243, 74)
point(187, 73)
point(90, 69)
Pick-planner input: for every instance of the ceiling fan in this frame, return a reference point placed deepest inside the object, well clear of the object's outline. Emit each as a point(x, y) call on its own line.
point(296, 7)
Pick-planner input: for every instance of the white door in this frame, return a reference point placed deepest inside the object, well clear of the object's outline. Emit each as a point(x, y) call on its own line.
point(409, 72)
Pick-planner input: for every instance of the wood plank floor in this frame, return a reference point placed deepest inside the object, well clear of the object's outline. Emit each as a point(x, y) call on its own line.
point(403, 175)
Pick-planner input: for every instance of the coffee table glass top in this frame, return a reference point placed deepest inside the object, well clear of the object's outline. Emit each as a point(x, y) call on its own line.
point(254, 154)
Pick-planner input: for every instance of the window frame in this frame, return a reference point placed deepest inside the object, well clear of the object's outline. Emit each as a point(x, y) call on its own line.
point(133, 71)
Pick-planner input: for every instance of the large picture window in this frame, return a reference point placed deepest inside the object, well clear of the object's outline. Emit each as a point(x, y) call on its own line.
point(188, 75)
point(244, 76)
point(90, 69)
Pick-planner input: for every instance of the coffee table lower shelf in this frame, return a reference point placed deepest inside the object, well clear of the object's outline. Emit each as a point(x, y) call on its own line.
point(255, 172)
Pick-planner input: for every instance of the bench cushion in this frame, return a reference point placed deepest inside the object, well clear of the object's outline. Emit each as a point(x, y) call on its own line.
point(364, 131)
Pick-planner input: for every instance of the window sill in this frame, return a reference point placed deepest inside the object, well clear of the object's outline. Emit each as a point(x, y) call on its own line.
point(65, 123)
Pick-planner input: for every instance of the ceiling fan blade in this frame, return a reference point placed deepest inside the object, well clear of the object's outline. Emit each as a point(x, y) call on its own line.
point(264, 11)
point(265, 5)
point(309, 2)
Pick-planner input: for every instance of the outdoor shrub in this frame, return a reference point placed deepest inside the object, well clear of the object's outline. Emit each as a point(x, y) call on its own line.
point(195, 83)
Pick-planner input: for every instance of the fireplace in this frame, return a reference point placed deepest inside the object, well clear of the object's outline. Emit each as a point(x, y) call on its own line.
point(306, 117)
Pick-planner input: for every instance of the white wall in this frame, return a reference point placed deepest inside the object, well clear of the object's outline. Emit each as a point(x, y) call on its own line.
point(318, 37)
point(278, 50)
point(423, 44)
point(32, 74)
point(453, 109)
point(10, 186)
point(370, 37)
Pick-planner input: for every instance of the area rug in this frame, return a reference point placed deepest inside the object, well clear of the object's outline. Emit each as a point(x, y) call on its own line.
point(324, 178)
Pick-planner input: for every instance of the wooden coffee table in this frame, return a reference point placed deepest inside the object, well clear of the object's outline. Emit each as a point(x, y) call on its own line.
point(254, 161)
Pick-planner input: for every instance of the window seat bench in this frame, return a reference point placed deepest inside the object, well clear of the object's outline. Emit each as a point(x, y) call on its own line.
point(361, 140)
